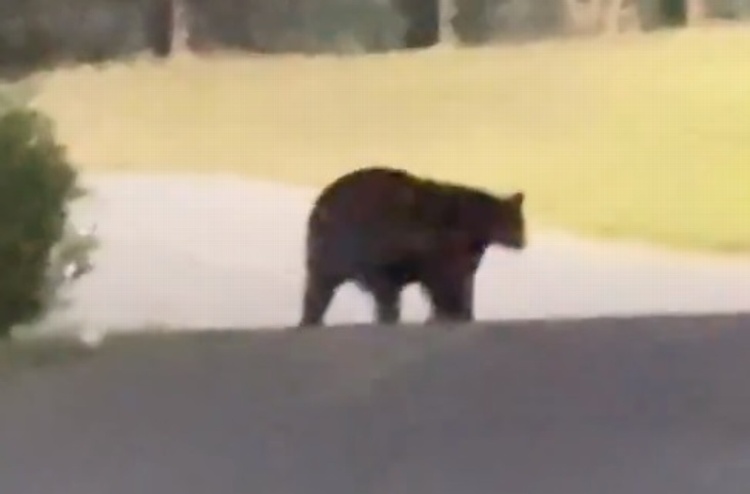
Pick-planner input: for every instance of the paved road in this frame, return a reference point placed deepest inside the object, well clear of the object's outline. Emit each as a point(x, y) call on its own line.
point(196, 252)
point(604, 406)
point(647, 406)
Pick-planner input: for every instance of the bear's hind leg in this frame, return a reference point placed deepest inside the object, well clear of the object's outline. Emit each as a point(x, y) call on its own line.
point(452, 299)
point(319, 292)
point(387, 297)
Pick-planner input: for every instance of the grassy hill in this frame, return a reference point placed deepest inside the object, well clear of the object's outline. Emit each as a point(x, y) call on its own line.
point(644, 136)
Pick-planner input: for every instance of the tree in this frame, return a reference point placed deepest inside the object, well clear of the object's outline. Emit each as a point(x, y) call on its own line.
point(583, 16)
point(597, 16)
point(36, 184)
point(696, 11)
point(180, 23)
point(447, 10)
point(168, 27)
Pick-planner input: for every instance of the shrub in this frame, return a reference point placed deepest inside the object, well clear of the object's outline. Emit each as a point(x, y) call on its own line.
point(36, 184)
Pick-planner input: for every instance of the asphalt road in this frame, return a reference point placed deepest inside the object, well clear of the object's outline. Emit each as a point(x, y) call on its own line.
point(603, 406)
point(646, 406)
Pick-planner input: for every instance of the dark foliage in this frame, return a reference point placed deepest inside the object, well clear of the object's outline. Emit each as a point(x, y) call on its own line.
point(36, 33)
point(36, 181)
point(41, 33)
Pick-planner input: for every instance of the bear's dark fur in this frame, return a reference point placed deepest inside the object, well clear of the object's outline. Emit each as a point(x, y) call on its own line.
point(385, 228)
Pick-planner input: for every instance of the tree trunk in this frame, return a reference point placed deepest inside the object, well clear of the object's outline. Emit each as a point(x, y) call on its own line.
point(612, 16)
point(180, 29)
point(446, 11)
point(696, 11)
point(584, 16)
point(160, 28)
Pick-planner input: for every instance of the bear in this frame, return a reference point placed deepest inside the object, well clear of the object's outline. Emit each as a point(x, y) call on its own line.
point(384, 228)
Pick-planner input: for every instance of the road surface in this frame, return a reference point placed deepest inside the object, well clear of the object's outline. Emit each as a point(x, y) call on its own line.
point(648, 405)
point(653, 406)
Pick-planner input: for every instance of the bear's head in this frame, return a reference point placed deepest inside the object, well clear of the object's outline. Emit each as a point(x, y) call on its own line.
point(509, 223)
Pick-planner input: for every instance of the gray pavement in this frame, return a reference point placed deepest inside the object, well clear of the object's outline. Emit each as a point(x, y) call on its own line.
point(653, 405)
point(531, 404)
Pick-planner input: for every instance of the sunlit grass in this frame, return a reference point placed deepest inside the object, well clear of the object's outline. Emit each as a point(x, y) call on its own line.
point(641, 136)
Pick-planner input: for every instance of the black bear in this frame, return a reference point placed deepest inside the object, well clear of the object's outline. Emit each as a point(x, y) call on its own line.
point(384, 228)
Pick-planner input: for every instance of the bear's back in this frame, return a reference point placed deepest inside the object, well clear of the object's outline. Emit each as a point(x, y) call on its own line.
point(367, 197)
point(381, 198)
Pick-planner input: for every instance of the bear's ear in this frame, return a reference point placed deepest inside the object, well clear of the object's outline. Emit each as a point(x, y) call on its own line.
point(517, 199)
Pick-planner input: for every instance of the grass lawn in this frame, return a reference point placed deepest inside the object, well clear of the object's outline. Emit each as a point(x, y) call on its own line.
point(645, 137)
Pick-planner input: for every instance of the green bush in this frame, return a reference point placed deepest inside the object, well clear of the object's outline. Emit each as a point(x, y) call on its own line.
point(36, 183)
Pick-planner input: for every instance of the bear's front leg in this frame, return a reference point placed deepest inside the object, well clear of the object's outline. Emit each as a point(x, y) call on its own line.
point(451, 294)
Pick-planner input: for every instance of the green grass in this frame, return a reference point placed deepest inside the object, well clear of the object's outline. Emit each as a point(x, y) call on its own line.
point(646, 137)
